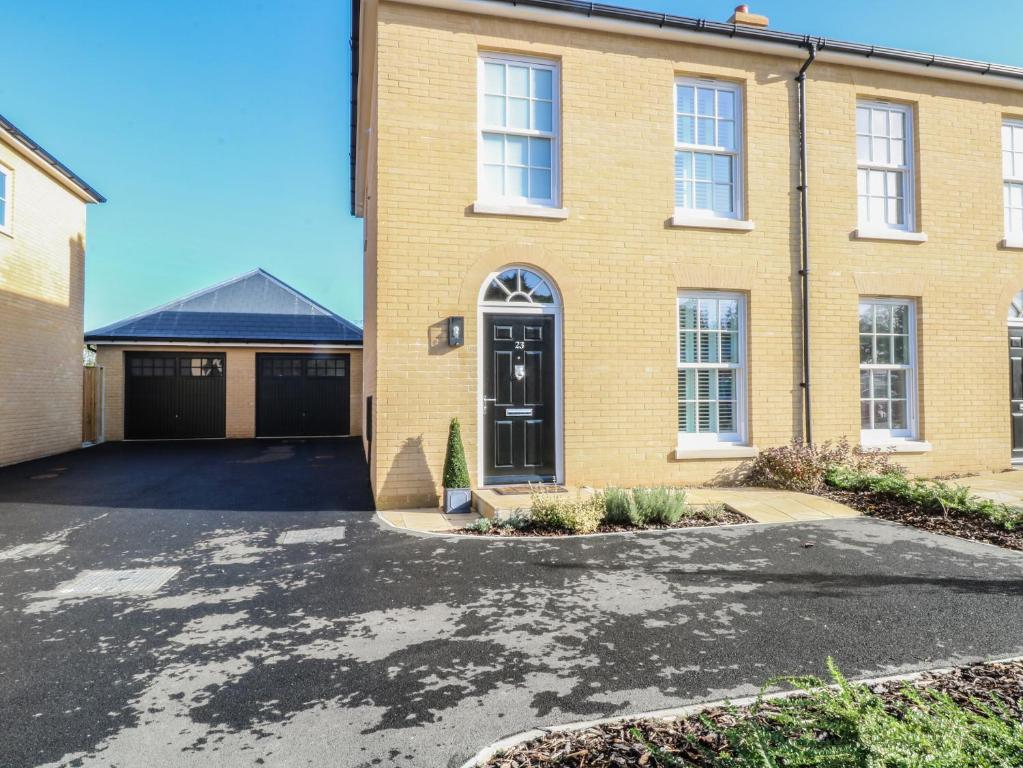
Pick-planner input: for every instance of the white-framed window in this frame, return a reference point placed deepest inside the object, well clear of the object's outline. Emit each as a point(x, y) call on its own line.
point(711, 368)
point(6, 184)
point(884, 160)
point(1012, 174)
point(887, 370)
point(708, 148)
point(518, 123)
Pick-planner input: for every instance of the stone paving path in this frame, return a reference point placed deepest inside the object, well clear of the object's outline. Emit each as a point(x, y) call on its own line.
point(1004, 487)
point(762, 505)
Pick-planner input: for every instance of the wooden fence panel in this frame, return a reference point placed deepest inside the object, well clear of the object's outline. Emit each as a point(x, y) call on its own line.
point(92, 404)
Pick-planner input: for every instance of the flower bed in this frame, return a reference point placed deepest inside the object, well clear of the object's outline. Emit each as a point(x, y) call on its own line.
point(970, 716)
point(871, 483)
point(611, 511)
point(974, 528)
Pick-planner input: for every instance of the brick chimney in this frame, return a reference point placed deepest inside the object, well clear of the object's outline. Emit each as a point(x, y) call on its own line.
point(743, 16)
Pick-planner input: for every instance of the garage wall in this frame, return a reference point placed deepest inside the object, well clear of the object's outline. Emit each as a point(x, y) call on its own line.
point(241, 384)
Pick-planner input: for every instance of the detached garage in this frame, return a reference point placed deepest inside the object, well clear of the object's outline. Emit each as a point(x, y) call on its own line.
point(251, 357)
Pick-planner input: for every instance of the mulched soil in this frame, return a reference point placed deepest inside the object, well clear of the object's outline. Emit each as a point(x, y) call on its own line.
point(612, 746)
point(975, 528)
point(718, 517)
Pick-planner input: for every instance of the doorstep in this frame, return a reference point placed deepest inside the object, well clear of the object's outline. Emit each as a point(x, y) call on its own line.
point(490, 503)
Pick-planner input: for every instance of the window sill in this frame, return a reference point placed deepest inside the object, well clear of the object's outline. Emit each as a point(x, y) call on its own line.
point(868, 233)
point(1015, 242)
point(899, 446)
point(688, 220)
point(533, 211)
point(717, 452)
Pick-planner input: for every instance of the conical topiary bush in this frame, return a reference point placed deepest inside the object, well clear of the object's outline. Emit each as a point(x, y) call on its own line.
point(456, 473)
point(457, 496)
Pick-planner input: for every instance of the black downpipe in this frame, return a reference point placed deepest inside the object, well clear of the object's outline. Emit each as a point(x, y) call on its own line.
point(804, 270)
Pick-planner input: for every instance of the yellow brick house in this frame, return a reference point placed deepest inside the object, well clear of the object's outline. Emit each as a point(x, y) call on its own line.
point(42, 278)
point(607, 208)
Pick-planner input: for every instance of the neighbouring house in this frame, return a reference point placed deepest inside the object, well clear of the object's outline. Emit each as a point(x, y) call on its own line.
point(610, 202)
point(250, 357)
point(42, 278)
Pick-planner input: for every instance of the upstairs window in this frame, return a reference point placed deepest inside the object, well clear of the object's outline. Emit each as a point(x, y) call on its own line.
point(5, 199)
point(708, 129)
point(711, 364)
point(1012, 174)
point(884, 156)
point(518, 119)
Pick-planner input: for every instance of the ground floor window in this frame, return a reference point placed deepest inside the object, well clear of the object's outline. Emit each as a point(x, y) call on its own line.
point(711, 364)
point(887, 370)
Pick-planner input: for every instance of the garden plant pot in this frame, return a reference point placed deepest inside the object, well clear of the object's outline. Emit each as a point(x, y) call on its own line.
point(457, 500)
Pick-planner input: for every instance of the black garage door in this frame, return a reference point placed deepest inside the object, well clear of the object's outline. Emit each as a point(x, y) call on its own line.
point(302, 395)
point(174, 395)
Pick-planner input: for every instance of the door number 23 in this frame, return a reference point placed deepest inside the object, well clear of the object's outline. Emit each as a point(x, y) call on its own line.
point(520, 345)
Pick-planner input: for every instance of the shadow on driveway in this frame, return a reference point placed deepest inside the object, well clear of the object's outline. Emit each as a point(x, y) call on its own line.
point(296, 475)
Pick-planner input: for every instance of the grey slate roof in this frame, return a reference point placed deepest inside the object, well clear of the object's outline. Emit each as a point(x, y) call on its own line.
point(255, 307)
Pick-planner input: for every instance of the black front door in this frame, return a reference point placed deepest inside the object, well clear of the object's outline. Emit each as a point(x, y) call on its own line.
point(519, 414)
point(1016, 391)
point(302, 395)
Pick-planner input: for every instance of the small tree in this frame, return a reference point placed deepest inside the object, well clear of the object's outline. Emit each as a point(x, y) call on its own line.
point(456, 472)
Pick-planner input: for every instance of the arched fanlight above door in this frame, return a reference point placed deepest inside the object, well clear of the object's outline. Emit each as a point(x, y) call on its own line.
point(519, 285)
point(1016, 308)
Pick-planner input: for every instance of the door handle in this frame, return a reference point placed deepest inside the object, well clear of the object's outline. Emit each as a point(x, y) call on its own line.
point(488, 400)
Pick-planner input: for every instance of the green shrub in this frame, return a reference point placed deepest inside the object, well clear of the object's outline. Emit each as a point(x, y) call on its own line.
point(660, 505)
point(934, 496)
point(851, 725)
point(620, 507)
point(481, 525)
point(803, 467)
point(456, 472)
point(580, 515)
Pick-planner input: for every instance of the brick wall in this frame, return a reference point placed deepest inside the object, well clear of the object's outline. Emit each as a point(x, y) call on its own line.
point(620, 266)
point(42, 266)
point(241, 385)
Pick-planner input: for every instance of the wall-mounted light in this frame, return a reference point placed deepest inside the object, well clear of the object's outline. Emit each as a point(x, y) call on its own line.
point(456, 331)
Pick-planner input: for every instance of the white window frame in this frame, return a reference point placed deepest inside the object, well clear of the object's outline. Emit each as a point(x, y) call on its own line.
point(737, 154)
point(8, 174)
point(907, 169)
point(882, 437)
point(1013, 237)
point(554, 134)
point(709, 440)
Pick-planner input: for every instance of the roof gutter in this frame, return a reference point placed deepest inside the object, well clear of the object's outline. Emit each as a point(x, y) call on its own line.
point(50, 161)
point(220, 342)
point(354, 110)
point(700, 31)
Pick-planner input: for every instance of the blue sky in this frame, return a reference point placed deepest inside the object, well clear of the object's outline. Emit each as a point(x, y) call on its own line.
point(219, 130)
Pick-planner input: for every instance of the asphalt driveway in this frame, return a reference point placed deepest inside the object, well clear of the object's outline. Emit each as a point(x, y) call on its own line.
point(374, 647)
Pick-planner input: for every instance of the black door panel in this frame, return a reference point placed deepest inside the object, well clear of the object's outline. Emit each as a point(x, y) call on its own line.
point(302, 395)
point(519, 413)
point(1016, 391)
point(171, 395)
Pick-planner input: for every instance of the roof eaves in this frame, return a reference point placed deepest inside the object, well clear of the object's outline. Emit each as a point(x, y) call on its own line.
point(688, 23)
point(90, 337)
point(50, 160)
